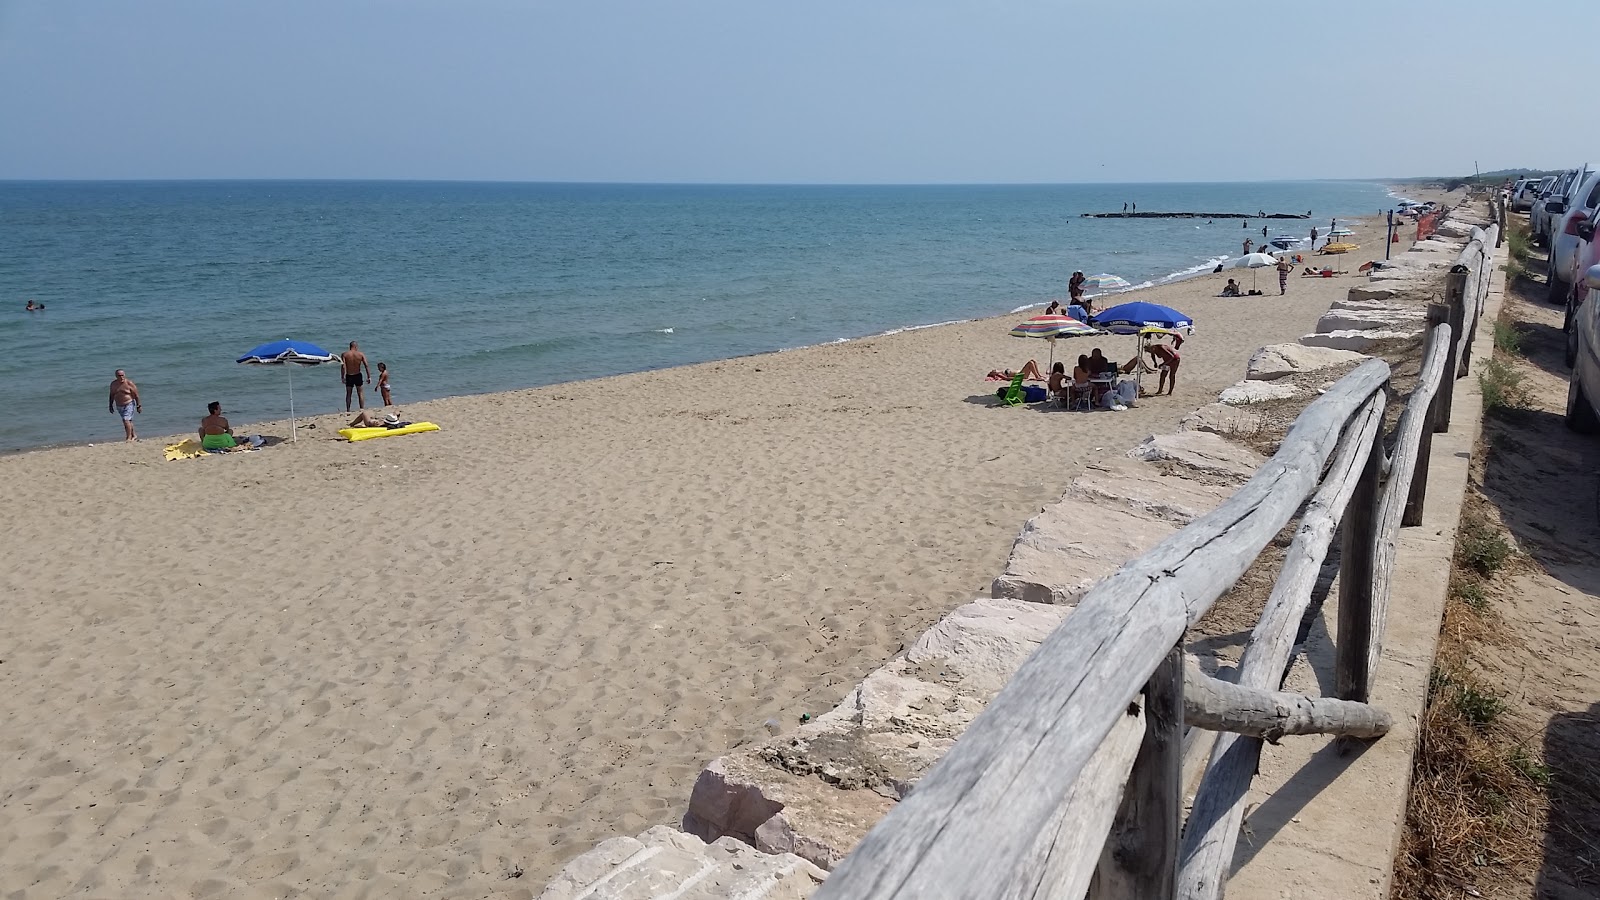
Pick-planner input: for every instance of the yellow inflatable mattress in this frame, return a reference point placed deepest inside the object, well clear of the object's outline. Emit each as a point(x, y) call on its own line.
point(366, 434)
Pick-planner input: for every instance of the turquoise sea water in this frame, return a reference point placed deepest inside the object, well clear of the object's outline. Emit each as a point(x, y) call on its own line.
point(469, 287)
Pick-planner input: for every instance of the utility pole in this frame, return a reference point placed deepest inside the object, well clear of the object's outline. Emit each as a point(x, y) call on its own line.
point(1389, 241)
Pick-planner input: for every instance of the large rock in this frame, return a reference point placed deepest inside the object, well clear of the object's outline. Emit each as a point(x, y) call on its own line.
point(1220, 418)
point(1145, 490)
point(1072, 544)
point(1247, 392)
point(1358, 304)
point(1384, 289)
point(1433, 245)
point(665, 863)
point(1358, 341)
point(817, 791)
point(1451, 228)
point(1393, 319)
point(1202, 453)
point(1277, 360)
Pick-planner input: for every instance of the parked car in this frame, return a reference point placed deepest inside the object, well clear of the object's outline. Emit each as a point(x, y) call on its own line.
point(1566, 241)
point(1583, 343)
point(1553, 202)
point(1522, 196)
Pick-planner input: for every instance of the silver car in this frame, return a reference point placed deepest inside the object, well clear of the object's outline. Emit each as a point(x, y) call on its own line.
point(1567, 243)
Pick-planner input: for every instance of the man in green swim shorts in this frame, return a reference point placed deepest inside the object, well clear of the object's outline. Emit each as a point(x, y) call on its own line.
point(215, 432)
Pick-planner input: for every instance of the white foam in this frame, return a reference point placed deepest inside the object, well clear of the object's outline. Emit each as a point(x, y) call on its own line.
point(664, 331)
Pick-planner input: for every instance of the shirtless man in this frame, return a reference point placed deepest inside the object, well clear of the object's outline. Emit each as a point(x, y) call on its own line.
point(124, 401)
point(351, 364)
point(215, 432)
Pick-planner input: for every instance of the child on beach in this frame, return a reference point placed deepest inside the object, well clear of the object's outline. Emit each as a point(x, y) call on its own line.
point(383, 384)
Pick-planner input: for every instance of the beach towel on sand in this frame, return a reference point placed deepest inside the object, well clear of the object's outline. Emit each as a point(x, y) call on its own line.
point(189, 448)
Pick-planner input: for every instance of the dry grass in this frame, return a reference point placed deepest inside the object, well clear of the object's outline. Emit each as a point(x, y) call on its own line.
point(1477, 809)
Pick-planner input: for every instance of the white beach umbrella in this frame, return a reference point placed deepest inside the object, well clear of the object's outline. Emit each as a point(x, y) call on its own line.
point(1253, 261)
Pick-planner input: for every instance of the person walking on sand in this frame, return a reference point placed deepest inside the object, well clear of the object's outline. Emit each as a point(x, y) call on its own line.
point(383, 384)
point(1284, 268)
point(351, 364)
point(125, 402)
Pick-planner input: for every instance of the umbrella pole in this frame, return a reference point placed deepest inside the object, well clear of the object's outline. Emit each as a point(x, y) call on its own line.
point(292, 435)
point(1052, 367)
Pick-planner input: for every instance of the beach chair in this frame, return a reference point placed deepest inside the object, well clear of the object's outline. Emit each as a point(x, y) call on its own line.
point(1079, 396)
point(1013, 394)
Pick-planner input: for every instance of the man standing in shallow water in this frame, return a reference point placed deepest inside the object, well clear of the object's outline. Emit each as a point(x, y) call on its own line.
point(351, 364)
point(124, 401)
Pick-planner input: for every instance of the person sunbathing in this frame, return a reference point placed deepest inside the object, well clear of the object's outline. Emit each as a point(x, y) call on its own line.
point(369, 419)
point(1231, 289)
point(1030, 372)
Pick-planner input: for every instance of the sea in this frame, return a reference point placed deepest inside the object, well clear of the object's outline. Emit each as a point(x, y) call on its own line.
point(470, 287)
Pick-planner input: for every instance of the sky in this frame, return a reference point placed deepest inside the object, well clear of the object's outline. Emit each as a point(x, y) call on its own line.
point(757, 91)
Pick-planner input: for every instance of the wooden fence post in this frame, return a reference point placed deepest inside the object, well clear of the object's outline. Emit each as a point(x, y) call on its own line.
point(1356, 557)
point(1140, 858)
point(1436, 419)
point(1455, 294)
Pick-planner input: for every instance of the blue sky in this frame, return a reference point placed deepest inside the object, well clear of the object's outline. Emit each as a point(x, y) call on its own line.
point(836, 91)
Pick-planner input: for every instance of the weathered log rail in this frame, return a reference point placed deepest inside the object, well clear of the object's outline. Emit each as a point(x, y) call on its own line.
point(1071, 780)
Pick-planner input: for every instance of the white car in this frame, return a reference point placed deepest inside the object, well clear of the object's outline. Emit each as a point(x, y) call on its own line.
point(1566, 242)
point(1583, 345)
point(1522, 195)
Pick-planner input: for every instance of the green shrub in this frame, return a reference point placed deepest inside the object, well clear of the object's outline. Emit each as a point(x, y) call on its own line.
point(1473, 595)
point(1501, 384)
point(1481, 547)
point(1480, 707)
point(1530, 768)
point(1508, 338)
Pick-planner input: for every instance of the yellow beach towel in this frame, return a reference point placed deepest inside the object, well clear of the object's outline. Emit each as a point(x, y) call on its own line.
point(188, 449)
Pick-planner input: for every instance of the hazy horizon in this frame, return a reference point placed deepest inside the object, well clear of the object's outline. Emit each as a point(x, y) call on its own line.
point(720, 92)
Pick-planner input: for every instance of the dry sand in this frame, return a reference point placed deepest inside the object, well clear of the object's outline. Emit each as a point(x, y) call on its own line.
point(419, 665)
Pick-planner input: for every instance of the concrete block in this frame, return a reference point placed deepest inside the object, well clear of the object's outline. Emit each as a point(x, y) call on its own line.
point(1145, 490)
point(1072, 544)
point(1358, 341)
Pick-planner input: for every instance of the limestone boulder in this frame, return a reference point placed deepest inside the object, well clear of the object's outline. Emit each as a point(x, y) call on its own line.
point(1386, 289)
point(1433, 245)
point(665, 863)
point(817, 791)
point(1393, 319)
point(1247, 392)
point(1358, 341)
point(1278, 360)
point(1072, 544)
point(1414, 306)
point(1201, 454)
point(1146, 490)
point(1222, 419)
point(1451, 228)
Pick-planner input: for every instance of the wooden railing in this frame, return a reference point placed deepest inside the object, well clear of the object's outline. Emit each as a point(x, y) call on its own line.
point(1072, 780)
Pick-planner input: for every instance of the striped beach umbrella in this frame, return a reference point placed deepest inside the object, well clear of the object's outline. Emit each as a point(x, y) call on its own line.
point(1106, 282)
point(1051, 327)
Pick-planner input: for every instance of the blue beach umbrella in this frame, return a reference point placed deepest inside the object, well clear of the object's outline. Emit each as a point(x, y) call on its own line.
point(288, 354)
point(1128, 318)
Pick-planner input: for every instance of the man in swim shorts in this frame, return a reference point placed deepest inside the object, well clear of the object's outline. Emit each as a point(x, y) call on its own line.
point(215, 432)
point(125, 402)
point(351, 364)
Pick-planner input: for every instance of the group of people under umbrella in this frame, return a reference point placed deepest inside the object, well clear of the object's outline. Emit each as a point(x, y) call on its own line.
point(1158, 329)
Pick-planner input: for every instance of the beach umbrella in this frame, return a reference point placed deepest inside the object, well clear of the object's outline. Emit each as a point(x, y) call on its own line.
point(288, 354)
point(1253, 261)
point(1051, 327)
point(1105, 282)
point(1129, 318)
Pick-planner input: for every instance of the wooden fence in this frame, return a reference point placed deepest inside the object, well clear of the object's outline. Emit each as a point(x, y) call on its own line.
point(1071, 782)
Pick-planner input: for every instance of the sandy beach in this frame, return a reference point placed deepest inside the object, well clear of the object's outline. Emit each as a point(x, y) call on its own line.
point(440, 665)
